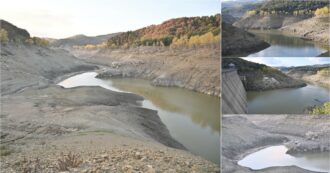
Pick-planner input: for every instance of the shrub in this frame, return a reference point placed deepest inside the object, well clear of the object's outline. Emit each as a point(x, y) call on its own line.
point(40, 41)
point(68, 161)
point(321, 110)
point(251, 12)
point(5, 150)
point(3, 36)
point(324, 72)
point(322, 11)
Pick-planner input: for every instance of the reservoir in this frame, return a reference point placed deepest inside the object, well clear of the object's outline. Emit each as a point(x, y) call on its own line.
point(277, 156)
point(286, 46)
point(286, 101)
point(192, 118)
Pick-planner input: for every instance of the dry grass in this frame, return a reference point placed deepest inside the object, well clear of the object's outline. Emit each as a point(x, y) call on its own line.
point(5, 150)
point(30, 166)
point(70, 160)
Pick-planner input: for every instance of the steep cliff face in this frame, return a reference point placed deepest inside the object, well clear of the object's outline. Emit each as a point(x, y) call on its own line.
point(233, 96)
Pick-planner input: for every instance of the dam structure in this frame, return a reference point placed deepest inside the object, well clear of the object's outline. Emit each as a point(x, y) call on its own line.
point(233, 96)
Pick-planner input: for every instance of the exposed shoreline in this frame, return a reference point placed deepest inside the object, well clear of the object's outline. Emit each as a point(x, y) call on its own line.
point(43, 113)
point(194, 69)
point(260, 131)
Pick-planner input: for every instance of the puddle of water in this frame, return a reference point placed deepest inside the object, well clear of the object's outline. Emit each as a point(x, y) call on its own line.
point(192, 118)
point(87, 79)
point(276, 156)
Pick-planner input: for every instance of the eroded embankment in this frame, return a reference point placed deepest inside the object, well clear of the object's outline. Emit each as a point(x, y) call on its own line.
point(248, 133)
point(236, 41)
point(315, 28)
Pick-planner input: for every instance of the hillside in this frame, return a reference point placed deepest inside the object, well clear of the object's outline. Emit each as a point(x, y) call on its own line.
point(236, 41)
point(274, 14)
point(13, 33)
point(258, 77)
point(32, 65)
point(315, 28)
point(179, 31)
point(79, 40)
point(238, 8)
point(318, 74)
point(10, 33)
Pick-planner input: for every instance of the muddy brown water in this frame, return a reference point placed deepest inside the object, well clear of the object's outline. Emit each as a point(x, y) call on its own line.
point(192, 118)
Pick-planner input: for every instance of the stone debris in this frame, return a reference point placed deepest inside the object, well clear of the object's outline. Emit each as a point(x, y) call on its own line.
point(119, 159)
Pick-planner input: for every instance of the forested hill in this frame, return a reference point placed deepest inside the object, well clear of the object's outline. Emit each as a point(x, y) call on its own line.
point(289, 7)
point(183, 31)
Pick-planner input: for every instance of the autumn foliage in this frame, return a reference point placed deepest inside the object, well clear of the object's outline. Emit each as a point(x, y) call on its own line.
point(185, 31)
point(290, 7)
point(322, 11)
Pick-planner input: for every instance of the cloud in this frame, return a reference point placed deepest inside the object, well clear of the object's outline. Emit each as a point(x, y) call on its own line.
point(267, 61)
point(319, 60)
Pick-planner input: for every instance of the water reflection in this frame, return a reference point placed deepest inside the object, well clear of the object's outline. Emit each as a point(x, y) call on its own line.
point(287, 46)
point(200, 107)
point(276, 156)
point(286, 101)
point(192, 118)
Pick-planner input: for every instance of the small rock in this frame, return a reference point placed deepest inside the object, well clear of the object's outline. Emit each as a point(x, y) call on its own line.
point(127, 168)
point(105, 156)
point(150, 169)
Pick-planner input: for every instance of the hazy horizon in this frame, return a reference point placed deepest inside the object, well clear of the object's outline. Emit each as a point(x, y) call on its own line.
point(288, 61)
point(61, 19)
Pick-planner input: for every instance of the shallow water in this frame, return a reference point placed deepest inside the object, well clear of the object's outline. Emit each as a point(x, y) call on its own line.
point(276, 156)
point(192, 118)
point(286, 46)
point(286, 101)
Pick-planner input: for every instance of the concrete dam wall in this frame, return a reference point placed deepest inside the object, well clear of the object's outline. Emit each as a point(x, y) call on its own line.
point(233, 96)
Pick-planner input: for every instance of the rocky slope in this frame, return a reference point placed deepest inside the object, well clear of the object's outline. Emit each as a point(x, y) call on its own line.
point(244, 134)
point(236, 41)
point(315, 28)
point(25, 65)
point(313, 74)
point(258, 77)
point(15, 34)
point(268, 22)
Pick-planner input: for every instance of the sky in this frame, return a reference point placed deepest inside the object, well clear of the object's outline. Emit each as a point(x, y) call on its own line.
point(64, 18)
point(289, 61)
